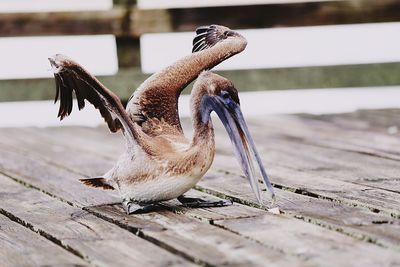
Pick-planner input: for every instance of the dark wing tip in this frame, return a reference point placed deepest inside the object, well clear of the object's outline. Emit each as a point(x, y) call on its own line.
point(208, 36)
point(97, 182)
point(64, 90)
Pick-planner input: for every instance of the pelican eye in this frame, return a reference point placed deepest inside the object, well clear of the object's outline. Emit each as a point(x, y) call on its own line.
point(225, 95)
point(227, 99)
point(229, 33)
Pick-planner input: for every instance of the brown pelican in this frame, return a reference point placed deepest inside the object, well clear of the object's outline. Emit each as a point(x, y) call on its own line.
point(159, 162)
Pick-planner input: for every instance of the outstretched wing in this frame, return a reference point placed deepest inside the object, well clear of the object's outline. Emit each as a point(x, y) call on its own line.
point(70, 76)
point(154, 105)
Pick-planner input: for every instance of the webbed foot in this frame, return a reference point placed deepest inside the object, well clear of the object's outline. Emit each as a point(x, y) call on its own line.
point(131, 207)
point(193, 202)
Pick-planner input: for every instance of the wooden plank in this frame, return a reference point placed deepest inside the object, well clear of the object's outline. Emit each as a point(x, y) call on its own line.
point(40, 174)
point(293, 161)
point(287, 161)
point(301, 14)
point(63, 23)
point(98, 242)
point(235, 211)
point(319, 245)
point(91, 165)
point(12, 6)
point(79, 162)
point(119, 21)
point(315, 184)
point(204, 243)
point(357, 138)
point(163, 218)
point(21, 247)
point(331, 213)
point(322, 174)
point(296, 237)
point(282, 161)
point(363, 162)
point(160, 4)
point(376, 121)
point(132, 22)
point(194, 240)
point(357, 222)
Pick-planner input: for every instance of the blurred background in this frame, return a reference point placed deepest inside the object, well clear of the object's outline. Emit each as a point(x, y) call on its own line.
point(293, 44)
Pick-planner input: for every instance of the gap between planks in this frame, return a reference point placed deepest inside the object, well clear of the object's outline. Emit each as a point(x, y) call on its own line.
point(296, 189)
point(94, 240)
point(121, 220)
point(163, 228)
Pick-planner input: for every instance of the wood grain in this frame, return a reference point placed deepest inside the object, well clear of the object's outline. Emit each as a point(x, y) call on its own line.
point(335, 214)
point(202, 242)
point(316, 244)
point(22, 247)
point(338, 193)
point(97, 241)
point(130, 21)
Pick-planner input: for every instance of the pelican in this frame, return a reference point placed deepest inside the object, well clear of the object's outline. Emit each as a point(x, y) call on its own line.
point(159, 162)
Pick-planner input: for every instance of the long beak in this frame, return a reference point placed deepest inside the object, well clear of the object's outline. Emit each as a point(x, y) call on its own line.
point(244, 147)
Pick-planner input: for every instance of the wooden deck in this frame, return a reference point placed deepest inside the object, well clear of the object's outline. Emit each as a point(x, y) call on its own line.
point(337, 180)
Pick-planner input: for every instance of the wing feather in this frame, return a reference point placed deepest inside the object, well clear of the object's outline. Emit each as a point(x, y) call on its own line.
point(71, 77)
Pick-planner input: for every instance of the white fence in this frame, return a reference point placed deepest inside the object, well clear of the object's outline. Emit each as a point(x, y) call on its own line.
point(288, 47)
point(26, 57)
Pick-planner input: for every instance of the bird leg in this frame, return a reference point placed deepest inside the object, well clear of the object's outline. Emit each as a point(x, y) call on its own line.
point(193, 202)
point(131, 207)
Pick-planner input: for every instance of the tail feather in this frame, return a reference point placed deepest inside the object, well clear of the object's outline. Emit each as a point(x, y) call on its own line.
point(97, 182)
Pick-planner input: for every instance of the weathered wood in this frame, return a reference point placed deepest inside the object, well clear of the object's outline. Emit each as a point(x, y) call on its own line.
point(152, 226)
point(119, 21)
point(97, 241)
point(316, 244)
point(301, 14)
point(185, 235)
point(324, 212)
point(295, 237)
point(130, 21)
point(353, 221)
point(115, 21)
point(21, 247)
point(211, 215)
point(377, 121)
point(355, 164)
point(360, 140)
point(204, 243)
point(235, 211)
point(353, 178)
point(40, 174)
point(365, 180)
point(328, 173)
point(193, 240)
point(79, 162)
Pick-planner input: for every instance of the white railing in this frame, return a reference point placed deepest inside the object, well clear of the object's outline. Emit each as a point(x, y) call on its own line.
point(287, 47)
point(26, 57)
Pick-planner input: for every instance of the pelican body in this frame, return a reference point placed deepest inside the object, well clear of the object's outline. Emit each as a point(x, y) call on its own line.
point(159, 162)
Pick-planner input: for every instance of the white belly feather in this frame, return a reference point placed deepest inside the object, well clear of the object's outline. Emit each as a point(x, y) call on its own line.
point(163, 188)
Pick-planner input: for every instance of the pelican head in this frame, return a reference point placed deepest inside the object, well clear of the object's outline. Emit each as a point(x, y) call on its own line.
point(218, 94)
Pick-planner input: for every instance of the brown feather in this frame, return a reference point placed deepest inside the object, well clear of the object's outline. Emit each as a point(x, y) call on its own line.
point(157, 97)
point(71, 77)
point(97, 182)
